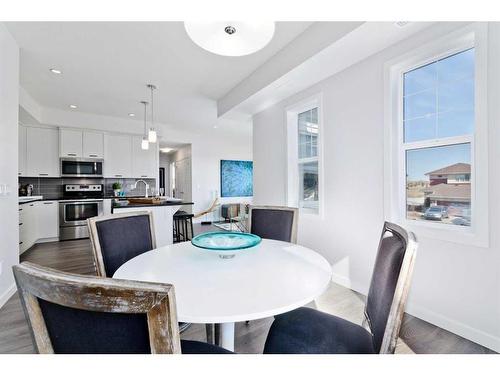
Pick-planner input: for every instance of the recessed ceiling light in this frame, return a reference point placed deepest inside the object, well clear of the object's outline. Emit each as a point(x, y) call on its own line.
point(55, 71)
point(72, 106)
point(215, 126)
point(131, 115)
point(166, 149)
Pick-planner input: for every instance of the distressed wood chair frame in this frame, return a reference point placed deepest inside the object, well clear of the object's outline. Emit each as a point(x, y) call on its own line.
point(295, 220)
point(396, 311)
point(94, 236)
point(92, 293)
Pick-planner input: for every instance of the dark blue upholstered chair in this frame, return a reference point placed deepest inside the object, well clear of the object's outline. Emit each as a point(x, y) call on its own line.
point(118, 238)
point(307, 330)
point(274, 222)
point(78, 314)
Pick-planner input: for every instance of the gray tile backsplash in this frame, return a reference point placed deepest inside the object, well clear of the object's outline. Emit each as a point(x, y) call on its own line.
point(52, 188)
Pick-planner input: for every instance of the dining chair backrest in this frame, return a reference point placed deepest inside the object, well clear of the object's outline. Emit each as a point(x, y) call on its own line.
point(389, 286)
point(274, 222)
point(118, 238)
point(79, 314)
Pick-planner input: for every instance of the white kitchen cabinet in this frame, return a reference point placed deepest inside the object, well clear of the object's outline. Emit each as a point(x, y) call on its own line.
point(28, 223)
point(117, 156)
point(106, 207)
point(42, 157)
point(144, 162)
point(47, 216)
point(93, 145)
point(22, 151)
point(71, 143)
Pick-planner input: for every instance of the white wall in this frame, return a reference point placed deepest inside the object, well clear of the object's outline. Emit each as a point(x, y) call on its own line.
point(456, 287)
point(9, 99)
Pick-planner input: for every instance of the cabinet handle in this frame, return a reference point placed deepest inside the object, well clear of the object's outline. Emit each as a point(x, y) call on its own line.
point(71, 154)
point(31, 205)
point(20, 223)
point(93, 156)
point(144, 175)
point(20, 243)
point(43, 174)
point(19, 173)
point(20, 209)
point(118, 175)
point(48, 202)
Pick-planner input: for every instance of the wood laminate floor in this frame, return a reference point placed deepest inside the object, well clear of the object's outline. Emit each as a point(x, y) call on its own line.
point(417, 336)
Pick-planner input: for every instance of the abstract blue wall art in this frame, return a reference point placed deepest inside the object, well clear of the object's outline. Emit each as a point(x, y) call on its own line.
point(236, 178)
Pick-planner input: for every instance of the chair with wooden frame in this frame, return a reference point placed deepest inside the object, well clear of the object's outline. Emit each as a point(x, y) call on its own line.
point(79, 314)
point(274, 222)
point(307, 330)
point(117, 238)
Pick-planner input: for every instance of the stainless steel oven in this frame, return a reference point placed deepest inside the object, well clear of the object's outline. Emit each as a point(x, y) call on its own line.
point(81, 167)
point(81, 203)
point(73, 217)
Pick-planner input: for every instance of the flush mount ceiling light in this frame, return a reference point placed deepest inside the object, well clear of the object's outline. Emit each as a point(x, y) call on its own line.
point(72, 106)
point(55, 71)
point(145, 142)
point(131, 115)
point(230, 38)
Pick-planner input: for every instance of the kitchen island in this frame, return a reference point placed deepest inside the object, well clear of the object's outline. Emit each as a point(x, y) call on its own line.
point(163, 214)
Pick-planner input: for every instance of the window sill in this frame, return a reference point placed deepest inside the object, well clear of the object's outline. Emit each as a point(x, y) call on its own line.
point(448, 233)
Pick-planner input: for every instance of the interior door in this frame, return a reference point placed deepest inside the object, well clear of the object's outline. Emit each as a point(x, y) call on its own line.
point(183, 181)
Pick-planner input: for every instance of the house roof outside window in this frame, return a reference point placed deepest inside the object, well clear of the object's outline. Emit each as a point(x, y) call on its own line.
point(458, 168)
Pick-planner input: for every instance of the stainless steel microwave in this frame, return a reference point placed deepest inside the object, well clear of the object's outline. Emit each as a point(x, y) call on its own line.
point(81, 167)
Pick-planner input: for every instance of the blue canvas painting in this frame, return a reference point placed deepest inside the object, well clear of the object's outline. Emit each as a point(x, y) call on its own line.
point(236, 178)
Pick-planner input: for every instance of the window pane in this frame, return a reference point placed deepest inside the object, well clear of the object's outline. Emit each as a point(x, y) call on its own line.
point(419, 105)
point(420, 79)
point(457, 95)
point(455, 123)
point(444, 89)
point(308, 133)
point(420, 129)
point(438, 184)
point(308, 180)
point(456, 67)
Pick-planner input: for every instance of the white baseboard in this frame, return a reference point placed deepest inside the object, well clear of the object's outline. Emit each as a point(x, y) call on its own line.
point(468, 332)
point(458, 328)
point(7, 294)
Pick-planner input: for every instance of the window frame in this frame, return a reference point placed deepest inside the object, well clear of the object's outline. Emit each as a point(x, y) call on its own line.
point(291, 122)
point(395, 205)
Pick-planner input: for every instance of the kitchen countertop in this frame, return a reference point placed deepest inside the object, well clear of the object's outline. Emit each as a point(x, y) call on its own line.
point(123, 203)
point(29, 199)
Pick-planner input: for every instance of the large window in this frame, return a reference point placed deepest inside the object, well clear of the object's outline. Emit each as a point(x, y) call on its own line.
point(438, 126)
point(304, 156)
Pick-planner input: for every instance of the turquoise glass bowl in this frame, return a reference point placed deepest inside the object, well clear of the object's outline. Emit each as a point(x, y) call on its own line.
point(226, 242)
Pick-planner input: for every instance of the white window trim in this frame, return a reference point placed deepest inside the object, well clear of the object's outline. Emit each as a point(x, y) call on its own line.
point(292, 191)
point(477, 234)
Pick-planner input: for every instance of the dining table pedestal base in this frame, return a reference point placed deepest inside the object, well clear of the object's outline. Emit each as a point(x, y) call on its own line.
point(226, 339)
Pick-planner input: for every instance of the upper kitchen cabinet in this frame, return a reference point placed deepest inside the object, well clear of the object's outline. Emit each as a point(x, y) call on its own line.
point(93, 145)
point(71, 143)
point(42, 156)
point(118, 156)
point(144, 162)
point(22, 151)
point(81, 144)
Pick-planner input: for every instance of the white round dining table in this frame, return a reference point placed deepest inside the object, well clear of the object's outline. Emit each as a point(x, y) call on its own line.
point(269, 279)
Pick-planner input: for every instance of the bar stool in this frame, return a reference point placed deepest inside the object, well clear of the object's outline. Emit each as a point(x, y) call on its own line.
point(183, 226)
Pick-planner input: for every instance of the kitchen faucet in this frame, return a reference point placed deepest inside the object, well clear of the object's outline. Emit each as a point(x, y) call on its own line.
point(145, 183)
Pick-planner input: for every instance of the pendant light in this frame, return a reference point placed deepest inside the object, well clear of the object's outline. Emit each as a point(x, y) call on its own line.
point(145, 142)
point(152, 132)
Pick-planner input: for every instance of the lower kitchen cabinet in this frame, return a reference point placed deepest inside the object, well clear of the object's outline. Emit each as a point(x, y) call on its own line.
point(38, 222)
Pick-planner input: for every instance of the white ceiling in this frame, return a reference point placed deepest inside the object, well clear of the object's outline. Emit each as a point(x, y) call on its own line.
point(106, 66)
